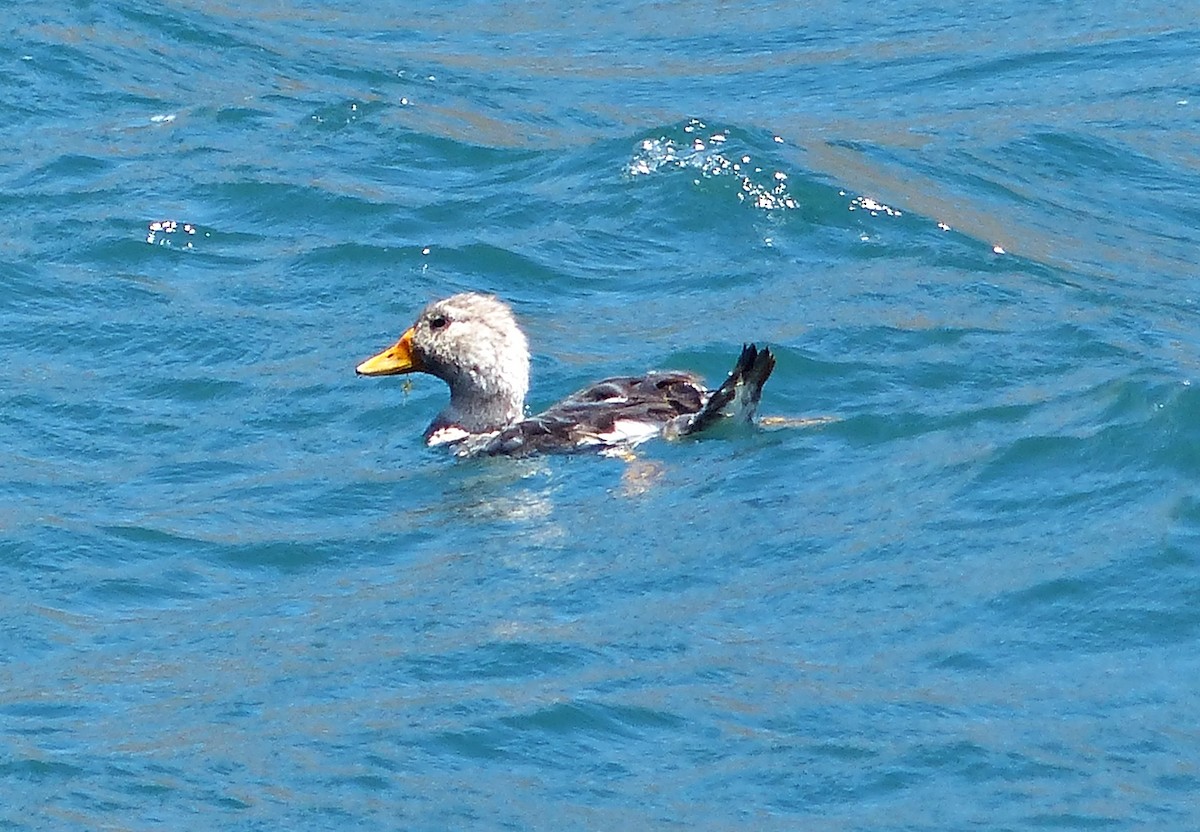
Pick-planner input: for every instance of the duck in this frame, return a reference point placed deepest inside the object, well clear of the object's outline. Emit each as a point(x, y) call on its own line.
point(473, 343)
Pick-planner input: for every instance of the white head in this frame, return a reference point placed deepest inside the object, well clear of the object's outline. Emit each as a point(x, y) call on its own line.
point(473, 343)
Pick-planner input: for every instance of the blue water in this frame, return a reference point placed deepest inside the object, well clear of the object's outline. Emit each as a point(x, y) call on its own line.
point(239, 593)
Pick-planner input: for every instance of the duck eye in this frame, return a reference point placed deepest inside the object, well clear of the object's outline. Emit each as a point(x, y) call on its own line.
point(438, 322)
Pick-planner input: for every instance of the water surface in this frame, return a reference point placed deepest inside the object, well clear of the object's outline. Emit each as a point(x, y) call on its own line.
point(240, 593)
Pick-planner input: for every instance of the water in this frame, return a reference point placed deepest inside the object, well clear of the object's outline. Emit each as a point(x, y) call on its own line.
point(240, 594)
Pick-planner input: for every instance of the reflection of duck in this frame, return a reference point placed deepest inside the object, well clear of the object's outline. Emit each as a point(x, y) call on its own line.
point(473, 343)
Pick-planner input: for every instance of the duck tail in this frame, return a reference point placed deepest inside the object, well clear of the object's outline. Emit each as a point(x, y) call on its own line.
point(737, 398)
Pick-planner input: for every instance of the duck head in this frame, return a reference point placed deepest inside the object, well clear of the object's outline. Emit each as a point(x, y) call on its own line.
point(473, 343)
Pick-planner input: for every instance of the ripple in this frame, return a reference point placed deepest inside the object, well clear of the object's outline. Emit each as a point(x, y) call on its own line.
point(239, 587)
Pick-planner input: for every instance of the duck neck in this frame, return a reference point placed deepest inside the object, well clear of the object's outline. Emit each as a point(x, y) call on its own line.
point(479, 405)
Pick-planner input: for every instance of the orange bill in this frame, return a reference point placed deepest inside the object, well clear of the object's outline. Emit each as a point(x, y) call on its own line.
point(396, 359)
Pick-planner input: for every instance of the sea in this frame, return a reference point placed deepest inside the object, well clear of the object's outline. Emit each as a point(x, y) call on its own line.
point(951, 581)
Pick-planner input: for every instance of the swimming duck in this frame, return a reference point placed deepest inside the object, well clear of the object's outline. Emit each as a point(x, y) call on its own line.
point(473, 343)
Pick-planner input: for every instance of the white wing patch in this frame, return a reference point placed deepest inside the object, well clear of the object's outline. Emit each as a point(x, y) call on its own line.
point(443, 436)
point(627, 432)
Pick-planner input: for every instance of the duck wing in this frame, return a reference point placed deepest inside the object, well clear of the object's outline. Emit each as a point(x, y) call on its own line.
point(625, 411)
point(613, 412)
